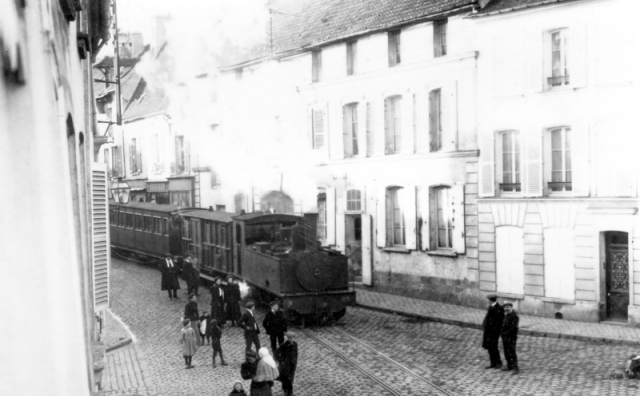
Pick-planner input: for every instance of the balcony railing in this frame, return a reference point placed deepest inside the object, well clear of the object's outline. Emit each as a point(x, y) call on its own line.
point(558, 81)
point(510, 187)
point(559, 186)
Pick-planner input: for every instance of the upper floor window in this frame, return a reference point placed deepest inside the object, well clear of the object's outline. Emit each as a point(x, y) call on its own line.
point(116, 162)
point(182, 157)
point(350, 129)
point(393, 129)
point(443, 219)
point(322, 216)
point(435, 119)
point(135, 156)
point(395, 217)
point(559, 66)
point(560, 160)
point(509, 161)
point(394, 48)
point(352, 52)
point(317, 126)
point(316, 65)
point(354, 200)
point(440, 38)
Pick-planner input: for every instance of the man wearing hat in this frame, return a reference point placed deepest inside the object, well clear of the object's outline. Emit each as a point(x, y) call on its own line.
point(492, 325)
point(275, 325)
point(509, 334)
point(217, 301)
point(251, 330)
point(169, 281)
point(287, 357)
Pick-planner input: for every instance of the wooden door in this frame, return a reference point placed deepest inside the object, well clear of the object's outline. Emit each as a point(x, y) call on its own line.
point(617, 275)
point(353, 243)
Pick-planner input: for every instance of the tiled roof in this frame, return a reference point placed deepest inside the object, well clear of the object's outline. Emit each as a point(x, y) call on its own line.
point(300, 24)
point(500, 6)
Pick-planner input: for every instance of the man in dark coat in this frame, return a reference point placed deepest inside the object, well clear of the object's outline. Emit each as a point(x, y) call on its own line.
point(232, 295)
point(251, 330)
point(492, 325)
point(509, 334)
point(287, 357)
point(217, 302)
point(169, 280)
point(190, 275)
point(275, 325)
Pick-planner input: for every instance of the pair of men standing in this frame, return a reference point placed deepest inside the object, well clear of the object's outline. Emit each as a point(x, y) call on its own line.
point(501, 322)
point(274, 324)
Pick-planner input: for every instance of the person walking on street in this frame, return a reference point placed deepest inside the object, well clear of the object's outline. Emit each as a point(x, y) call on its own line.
point(251, 330)
point(190, 276)
point(275, 325)
point(189, 344)
point(509, 334)
point(191, 313)
point(492, 324)
point(233, 297)
point(287, 358)
point(216, 335)
point(169, 281)
point(266, 374)
point(217, 301)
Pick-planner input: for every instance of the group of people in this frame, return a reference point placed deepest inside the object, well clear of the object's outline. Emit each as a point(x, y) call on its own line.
point(260, 366)
point(501, 321)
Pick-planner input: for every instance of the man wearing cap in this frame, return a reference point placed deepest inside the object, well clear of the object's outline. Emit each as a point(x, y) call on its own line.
point(287, 357)
point(251, 330)
point(492, 325)
point(275, 325)
point(509, 334)
point(169, 281)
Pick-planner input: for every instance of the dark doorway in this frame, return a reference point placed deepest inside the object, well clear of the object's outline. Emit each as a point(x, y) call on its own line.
point(617, 274)
point(353, 240)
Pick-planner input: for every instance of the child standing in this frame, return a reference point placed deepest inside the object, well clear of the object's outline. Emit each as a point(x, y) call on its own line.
point(216, 334)
point(205, 327)
point(188, 341)
point(238, 389)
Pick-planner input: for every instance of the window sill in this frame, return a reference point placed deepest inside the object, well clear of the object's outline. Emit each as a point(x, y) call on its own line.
point(510, 296)
point(557, 300)
point(396, 249)
point(445, 253)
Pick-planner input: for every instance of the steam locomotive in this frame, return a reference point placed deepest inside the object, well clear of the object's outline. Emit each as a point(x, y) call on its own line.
point(276, 253)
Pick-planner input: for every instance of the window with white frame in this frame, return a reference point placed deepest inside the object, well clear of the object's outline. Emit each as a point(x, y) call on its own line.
point(394, 48)
point(395, 221)
point(317, 126)
point(322, 216)
point(560, 149)
point(441, 218)
point(316, 65)
point(135, 156)
point(439, 38)
point(558, 50)
point(435, 119)
point(350, 129)
point(352, 53)
point(393, 122)
point(116, 162)
point(509, 161)
point(354, 200)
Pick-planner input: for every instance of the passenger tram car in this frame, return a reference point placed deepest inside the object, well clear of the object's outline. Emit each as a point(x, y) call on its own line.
point(275, 253)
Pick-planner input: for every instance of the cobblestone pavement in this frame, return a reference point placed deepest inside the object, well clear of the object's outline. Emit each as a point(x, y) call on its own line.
point(449, 356)
point(531, 325)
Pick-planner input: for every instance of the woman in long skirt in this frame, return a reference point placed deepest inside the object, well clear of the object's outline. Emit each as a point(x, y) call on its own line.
point(188, 339)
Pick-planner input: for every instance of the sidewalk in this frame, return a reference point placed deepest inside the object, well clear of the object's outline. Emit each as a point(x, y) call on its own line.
point(115, 335)
point(472, 317)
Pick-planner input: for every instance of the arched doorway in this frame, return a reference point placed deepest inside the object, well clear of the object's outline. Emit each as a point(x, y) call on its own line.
point(276, 201)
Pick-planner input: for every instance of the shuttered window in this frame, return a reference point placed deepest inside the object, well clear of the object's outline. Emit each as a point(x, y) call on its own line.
point(393, 124)
point(350, 130)
point(317, 124)
point(560, 160)
point(440, 38)
point(510, 161)
point(101, 259)
point(559, 65)
point(395, 218)
point(435, 119)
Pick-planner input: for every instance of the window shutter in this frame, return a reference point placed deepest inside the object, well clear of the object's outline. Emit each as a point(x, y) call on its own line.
point(367, 251)
point(577, 56)
point(539, 54)
point(318, 128)
point(388, 131)
point(381, 217)
point(487, 164)
point(341, 205)
point(407, 123)
point(346, 143)
point(421, 111)
point(101, 259)
point(363, 123)
point(457, 207)
point(423, 218)
point(533, 176)
point(434, 110)
point(580, 157)
point(449, 115)
point(409, 212)
point(309, 128)
point(331, 216)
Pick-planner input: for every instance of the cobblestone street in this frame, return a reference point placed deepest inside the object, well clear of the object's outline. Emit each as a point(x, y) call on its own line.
point(449, 356)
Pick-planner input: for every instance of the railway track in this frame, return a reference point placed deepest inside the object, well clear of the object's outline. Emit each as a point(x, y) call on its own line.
point(431, 388)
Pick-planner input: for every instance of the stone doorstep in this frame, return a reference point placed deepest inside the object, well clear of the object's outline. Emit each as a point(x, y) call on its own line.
point(533, 333)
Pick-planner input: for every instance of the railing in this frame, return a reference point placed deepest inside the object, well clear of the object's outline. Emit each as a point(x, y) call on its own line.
point(560, 186)
point(558, 81)
point(510, 187)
